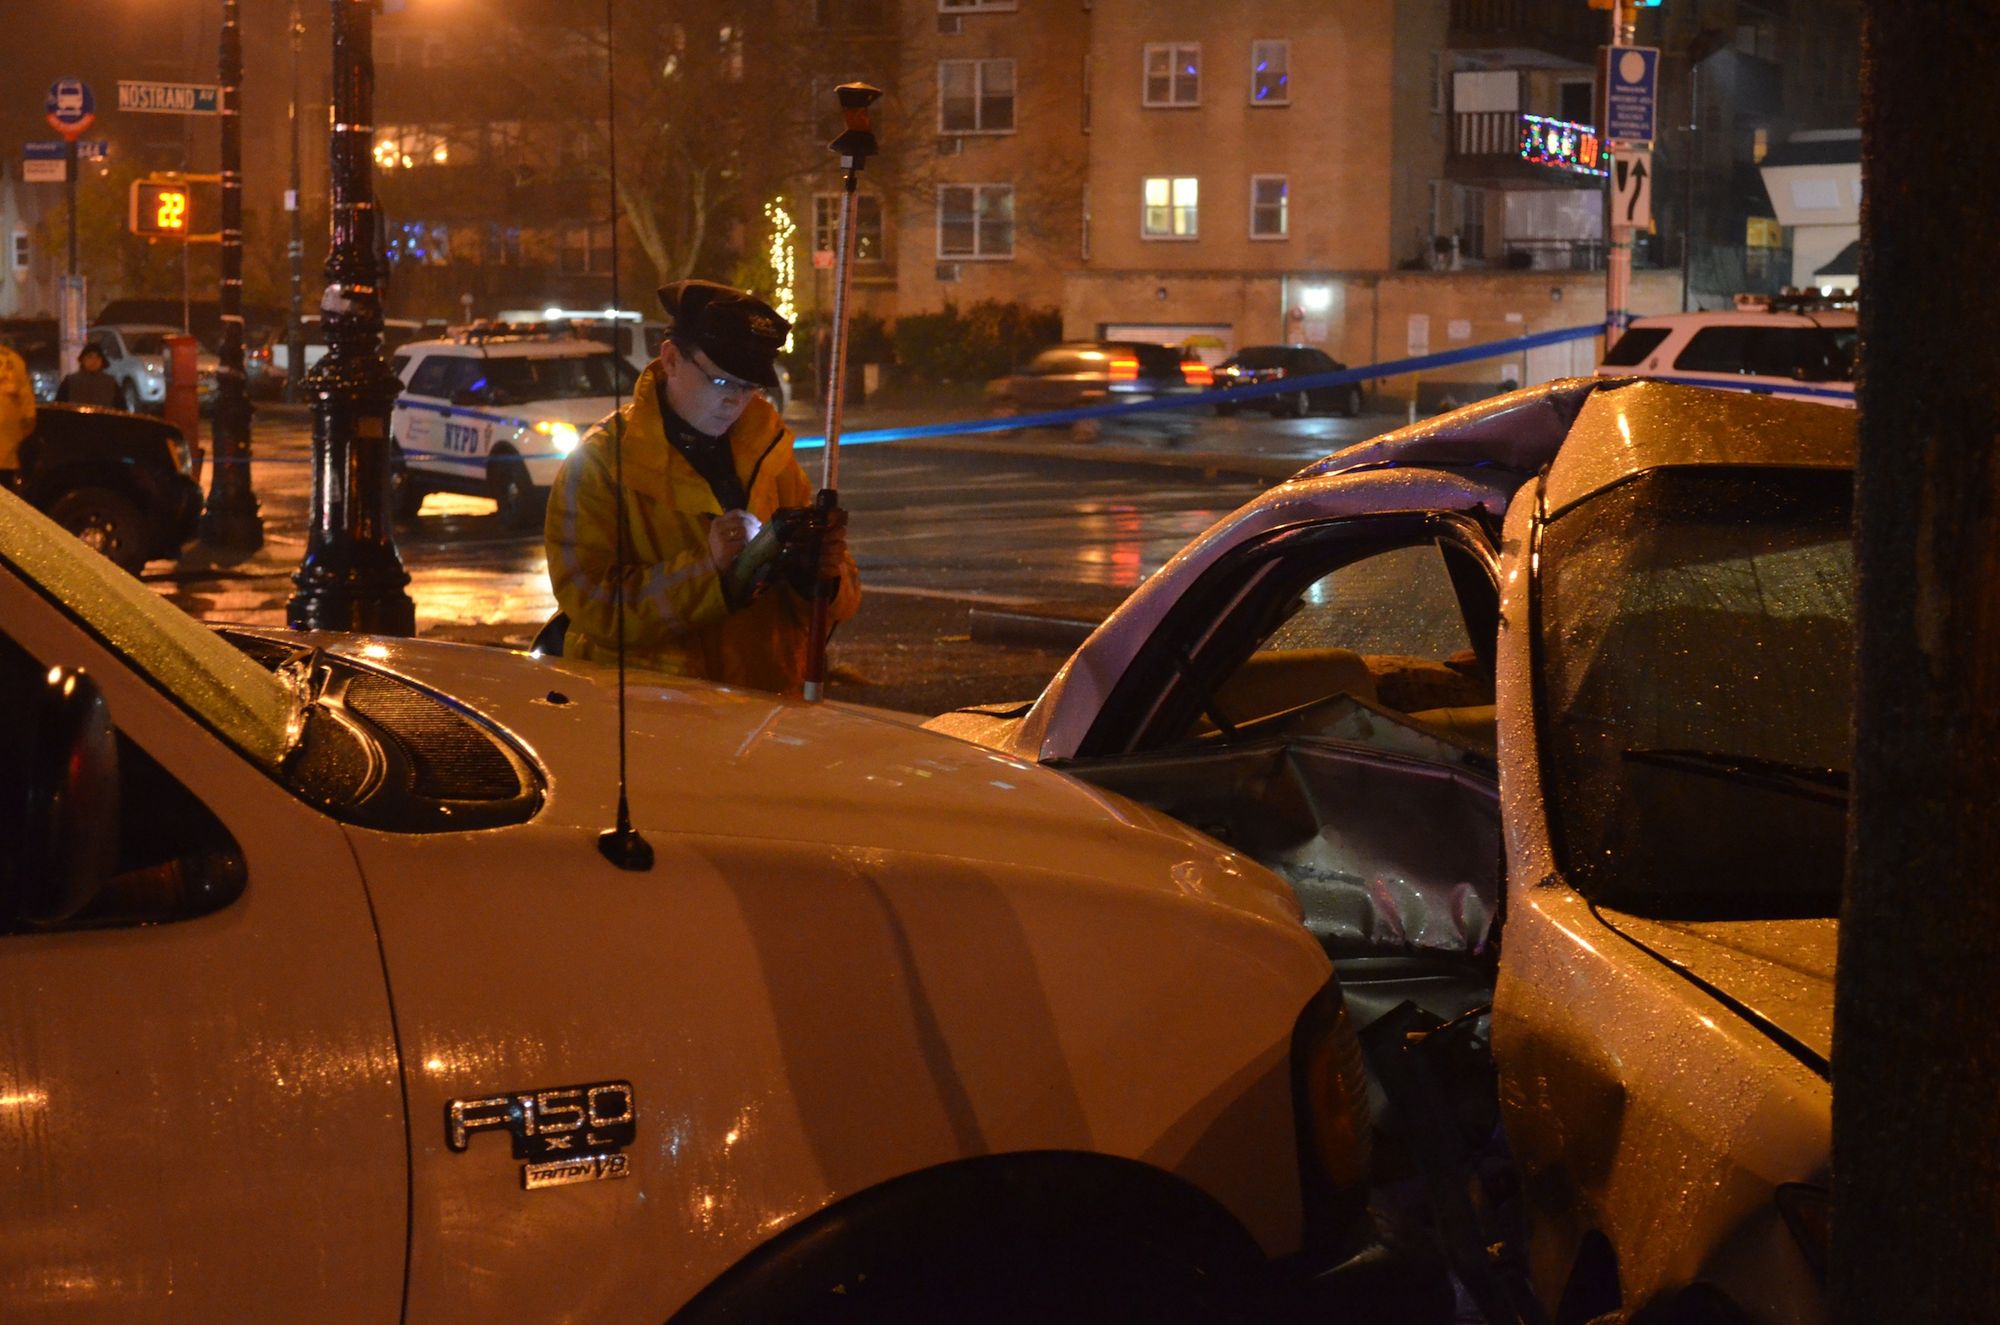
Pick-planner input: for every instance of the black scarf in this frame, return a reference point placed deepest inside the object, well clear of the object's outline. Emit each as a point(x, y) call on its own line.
point(710, 456)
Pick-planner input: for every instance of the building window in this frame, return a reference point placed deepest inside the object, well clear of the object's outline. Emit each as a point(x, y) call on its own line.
point(1173, 74)
point(1270, 73)
point(1270, 207)
point(867, 225)
point(22, 251)
point(976, 221)
point(586, 249)
point(1171, 210)
point(972, 6)
point(975, 96)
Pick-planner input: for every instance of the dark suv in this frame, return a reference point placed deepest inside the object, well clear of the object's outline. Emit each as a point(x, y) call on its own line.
point(1272, 363)
point(123, 483)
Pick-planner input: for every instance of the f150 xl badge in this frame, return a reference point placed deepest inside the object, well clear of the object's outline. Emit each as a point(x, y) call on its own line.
point(565, 1133)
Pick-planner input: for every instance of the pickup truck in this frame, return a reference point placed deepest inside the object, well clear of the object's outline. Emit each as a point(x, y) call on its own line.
point(123, 483)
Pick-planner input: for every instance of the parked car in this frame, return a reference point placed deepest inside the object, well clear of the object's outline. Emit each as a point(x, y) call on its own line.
point(136, 354)
point(38, 341)
point(1081, 374)
point(1257, 364)
point(202, 317)
point(324, 1005)
point(122, 483)
point(1801, 346)
point(493, 415)
point(268, 366)
point(1520, 785)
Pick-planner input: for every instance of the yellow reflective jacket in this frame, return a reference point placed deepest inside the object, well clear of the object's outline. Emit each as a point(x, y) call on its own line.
point(676, 619)
point(17, 407)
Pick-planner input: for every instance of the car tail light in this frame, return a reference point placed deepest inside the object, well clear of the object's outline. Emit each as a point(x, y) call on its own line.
point(264, 354)
point(1124, 369)
point(1196, 373)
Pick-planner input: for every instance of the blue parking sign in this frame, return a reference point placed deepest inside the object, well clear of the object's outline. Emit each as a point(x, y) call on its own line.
point(1631, 81)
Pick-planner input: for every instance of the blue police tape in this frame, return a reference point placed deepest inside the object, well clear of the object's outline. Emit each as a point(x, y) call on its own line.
point(1200, 399)
point(1194, 400)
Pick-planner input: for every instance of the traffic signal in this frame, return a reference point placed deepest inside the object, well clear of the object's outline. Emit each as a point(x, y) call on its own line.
point(159, 209)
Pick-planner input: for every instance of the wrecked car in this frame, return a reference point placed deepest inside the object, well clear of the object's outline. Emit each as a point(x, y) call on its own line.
point(1541, 707)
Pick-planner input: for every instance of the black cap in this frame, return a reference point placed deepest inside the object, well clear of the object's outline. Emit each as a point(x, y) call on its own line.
point(740, 332)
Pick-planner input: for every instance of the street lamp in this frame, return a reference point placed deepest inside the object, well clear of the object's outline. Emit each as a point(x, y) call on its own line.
point(231, 519)
point(295, 327)
point(351, 577)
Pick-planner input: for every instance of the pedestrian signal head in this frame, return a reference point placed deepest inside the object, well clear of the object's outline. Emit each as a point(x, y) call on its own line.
point(159, 209)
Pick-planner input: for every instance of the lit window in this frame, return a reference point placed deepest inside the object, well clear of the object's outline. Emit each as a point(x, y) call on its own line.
point(1270, 73)
point(867, 225)
point(976, 221)
point(1171, 211)
point(1173, 74)
point(1270, 197)
point(976, 96)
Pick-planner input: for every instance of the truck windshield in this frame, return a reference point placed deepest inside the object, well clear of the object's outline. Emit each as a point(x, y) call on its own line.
point(1694, 635)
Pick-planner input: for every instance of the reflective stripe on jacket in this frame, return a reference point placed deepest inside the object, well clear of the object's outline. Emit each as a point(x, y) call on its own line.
point(675, 617)
point(17, 407)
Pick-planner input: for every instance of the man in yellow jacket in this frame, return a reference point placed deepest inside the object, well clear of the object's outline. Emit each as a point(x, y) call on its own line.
point(17, 410)
point(707, 464)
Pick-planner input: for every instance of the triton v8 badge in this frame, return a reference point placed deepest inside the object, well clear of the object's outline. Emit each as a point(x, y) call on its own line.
point(565, 1133)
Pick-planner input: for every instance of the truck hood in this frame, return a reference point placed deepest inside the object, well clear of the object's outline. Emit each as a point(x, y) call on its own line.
point(712, 760)
point(1777, 973)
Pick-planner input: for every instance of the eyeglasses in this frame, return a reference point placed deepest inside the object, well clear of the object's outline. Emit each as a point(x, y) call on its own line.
point(727, 385)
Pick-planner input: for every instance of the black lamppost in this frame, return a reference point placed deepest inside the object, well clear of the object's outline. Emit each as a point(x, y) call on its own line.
point(351, 577)
point(231, 519)
point(295, 327)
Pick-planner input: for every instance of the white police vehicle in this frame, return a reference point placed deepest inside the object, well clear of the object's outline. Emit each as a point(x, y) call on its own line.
point(493, 412)
point(1799, 344)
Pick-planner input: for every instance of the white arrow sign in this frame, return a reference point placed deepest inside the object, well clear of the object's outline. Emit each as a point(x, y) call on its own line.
point(1632, 188)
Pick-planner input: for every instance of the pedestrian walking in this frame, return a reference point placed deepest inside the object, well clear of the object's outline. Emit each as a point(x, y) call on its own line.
point(90, 384)
point(17, 411)
point(723, 551)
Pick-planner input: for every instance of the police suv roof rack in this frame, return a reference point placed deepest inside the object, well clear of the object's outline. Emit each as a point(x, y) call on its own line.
point(1791, 300)
point(479, 335)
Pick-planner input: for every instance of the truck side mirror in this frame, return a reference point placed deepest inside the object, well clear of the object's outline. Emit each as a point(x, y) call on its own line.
point(65, 845)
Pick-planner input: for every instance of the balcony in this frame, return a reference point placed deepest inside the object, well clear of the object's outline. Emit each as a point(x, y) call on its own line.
point(1527, 33)
point(1487, 148)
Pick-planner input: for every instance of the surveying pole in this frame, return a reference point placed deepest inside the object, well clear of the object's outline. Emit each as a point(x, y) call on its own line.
point(1618, 252)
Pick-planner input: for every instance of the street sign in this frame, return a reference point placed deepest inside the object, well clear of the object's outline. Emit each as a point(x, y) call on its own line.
point(41, 170)
point(89, 149)
point(70, 107)
point(169, 98)
point(1631, 82)
point(1632, 189)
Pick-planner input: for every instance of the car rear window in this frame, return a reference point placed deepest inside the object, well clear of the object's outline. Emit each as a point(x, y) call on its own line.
point(1716, 350)
point(1157, 360)
point(1633, 347)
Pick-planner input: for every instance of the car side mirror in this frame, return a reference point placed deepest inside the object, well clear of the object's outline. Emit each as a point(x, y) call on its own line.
point(65, 847)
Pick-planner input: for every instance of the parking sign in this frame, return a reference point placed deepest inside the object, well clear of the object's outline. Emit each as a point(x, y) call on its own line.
point(1631, 81)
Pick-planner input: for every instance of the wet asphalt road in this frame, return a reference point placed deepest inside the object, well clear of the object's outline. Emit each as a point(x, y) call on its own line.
point(952, 535)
